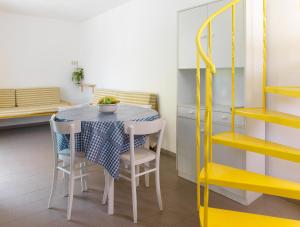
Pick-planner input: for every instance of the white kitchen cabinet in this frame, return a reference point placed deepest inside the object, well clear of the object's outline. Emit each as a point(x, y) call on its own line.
point(189, 22)
point(186, 149)
point(222, 40)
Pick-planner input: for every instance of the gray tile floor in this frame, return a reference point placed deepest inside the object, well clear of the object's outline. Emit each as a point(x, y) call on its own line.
point(25, 177)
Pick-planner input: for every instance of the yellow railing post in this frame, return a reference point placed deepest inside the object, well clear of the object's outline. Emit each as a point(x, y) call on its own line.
point(209, 44)
point(208, 126)
point(207, 145)
point(198, 127)
point(264, 82)
point(233, 72)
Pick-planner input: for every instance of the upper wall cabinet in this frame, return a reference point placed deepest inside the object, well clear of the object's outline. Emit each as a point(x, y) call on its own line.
point(222, 38)
point(189, 21)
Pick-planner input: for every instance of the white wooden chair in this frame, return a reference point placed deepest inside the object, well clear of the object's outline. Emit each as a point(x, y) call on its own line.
point(83, 164)
point(142, 157)
point(67, 161)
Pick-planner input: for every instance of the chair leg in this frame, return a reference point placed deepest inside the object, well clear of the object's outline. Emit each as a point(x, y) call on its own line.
point(53, 186)
point(137, 170)
point(134, 198)
point(85, 177)
point(158, 192)
point(146, 167)
point(126, 165)
point(106, 185)
point(71, 194)
point(81, 177)
point(66, 185)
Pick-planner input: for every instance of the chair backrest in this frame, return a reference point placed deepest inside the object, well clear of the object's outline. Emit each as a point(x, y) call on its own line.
point(144, 127)
point(65, 128)
point(138, 128)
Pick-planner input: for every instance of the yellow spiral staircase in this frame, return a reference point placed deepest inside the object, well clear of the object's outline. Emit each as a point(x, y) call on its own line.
point(220, 175)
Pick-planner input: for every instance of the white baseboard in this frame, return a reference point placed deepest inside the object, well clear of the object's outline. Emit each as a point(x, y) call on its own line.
point(245, 198)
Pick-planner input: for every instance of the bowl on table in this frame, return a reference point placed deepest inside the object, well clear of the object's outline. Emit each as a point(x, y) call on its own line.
point(108, 104)
point(107, 108)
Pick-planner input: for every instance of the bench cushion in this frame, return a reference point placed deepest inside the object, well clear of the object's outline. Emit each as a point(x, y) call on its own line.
point(100, 93)
point(37, 96)
point(7, 98)
point(30, 111)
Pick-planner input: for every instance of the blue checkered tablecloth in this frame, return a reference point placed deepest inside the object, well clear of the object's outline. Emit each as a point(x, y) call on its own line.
point(102, 136)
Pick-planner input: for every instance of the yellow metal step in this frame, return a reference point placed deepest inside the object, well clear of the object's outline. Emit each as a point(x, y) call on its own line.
point(227, 218)
point(260, 146)
point(285, 90)
point(225, 176)
point(270, 116)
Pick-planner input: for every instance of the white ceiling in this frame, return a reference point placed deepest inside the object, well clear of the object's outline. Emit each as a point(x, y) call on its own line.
point(75, 10)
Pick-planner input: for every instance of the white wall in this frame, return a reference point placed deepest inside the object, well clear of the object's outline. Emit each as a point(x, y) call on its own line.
point(37, 52)
point(284, 69)
point(134, 47)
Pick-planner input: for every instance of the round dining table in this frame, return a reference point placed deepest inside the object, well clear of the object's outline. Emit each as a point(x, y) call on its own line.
point(102, 136)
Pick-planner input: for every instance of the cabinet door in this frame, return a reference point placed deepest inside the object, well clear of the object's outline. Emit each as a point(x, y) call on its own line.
point(222, 30)
point(189, 22)
point(186, 149)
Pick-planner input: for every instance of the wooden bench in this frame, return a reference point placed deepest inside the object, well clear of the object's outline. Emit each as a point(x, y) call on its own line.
point(29, 103)
point(126, 97)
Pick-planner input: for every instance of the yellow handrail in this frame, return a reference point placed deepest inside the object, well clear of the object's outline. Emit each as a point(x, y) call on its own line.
point(205, 58)
point(210, 70)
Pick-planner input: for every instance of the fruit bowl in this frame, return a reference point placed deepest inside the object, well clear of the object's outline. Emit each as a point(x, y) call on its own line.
point(107, 108)
point(108, 104)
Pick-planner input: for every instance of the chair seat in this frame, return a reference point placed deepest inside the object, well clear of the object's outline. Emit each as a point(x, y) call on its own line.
point(64, 155)
point(141, 156)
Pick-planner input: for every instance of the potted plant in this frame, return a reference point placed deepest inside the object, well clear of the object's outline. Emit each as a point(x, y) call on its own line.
point(78, 75)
